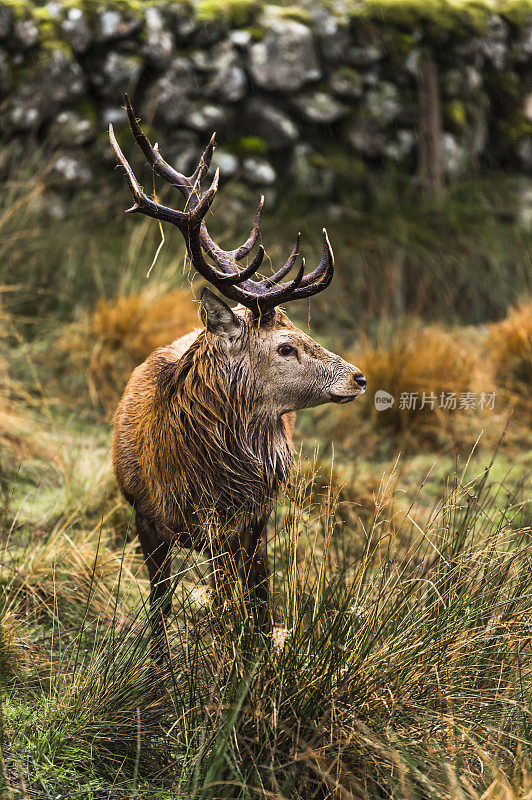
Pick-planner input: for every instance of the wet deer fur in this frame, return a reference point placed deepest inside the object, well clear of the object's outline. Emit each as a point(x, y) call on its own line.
point(202, 435)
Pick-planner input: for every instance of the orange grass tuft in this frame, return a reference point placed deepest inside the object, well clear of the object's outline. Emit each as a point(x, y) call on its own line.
point(420, 361)
point(509, 345)
point(107, 344)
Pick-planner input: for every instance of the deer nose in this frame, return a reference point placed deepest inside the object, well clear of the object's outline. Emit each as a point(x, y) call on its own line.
point(361, 381)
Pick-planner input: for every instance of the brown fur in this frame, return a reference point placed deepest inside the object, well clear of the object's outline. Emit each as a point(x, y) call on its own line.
point(201, 450)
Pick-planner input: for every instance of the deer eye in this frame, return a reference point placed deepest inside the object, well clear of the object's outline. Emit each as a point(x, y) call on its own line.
point(286, 350)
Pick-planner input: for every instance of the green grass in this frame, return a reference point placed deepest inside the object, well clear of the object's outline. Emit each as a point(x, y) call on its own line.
point(402, 667)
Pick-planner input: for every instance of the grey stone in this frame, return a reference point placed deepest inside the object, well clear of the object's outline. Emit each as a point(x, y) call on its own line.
point(240, 39)
point(117, 74)
point(21, 116)
point(181, 20)
point(367, 137)
point(183, 152)
point(76, 29)
point(71, 130)
point(26, 34)
point(112, 25)
point(364, 56)
point(476, 132)
point(383, 102)
point(411, 63)
point(347, 83)
point(226, 162)
point(6, 21)
point(454, 155)
point(54, 9)
point(370, 78)
point(53, 84)
point(461, 81)
point(471, 51)
point(524, 215)
point(52, 205)
point(159, 44)
point(495, 42)
point(524, 45)
point(524, 153)
point(527, 107)
point(112, 115)
point(258, 172)
point(208, 32)
point(206, 117)
point(228, 83)
point(319, 107)
point(72, 171)
point(402, 145)
point(331, 30)
point(168, 98)
point(270, 124)
point(202, 60)
point(63, 80)
point(314, 181)
point(285, 60)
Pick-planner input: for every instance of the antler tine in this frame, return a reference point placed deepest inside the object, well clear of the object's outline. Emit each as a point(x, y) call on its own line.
point(285, 269)
point(143, 204)
point(326, 273)
point(190, 187)
point(153, 156)
point(250, 242)
point(204, 163)
point(265, 303)
point(260, 296)
point(296, 289)
point(322, 267)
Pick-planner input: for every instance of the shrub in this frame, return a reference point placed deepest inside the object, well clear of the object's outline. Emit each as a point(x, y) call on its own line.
point(107, 344)
point(509, 346)
point(416, 362)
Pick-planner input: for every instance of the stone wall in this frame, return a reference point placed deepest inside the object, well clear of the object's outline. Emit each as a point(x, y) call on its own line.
point(303, 94)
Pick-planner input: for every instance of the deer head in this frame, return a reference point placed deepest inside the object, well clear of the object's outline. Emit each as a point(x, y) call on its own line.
point(257, 337)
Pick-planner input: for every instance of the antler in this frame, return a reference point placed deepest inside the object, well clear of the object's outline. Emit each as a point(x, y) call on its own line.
point(260, 296)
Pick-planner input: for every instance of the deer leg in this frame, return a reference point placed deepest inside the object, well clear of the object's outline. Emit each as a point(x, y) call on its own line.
point(156, 551)
point(226, 558)
point(255, 574)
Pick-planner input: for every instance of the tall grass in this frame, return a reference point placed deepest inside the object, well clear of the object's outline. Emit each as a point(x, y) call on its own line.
point(402, 672)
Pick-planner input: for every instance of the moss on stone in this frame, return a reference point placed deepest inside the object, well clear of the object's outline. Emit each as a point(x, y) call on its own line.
point(455, 115)
point(237, 13)
point(249, 146)
point(516, 129)
point(442, 16)
point(437, 17)
point(294, 13)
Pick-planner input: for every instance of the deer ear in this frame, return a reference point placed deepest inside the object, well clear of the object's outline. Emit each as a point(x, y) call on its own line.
point(218, 317)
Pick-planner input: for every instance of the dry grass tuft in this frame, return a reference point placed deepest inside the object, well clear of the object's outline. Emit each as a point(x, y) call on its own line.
point(509, 345)
point(70, 579)
point(107, 344)
point(421, 362)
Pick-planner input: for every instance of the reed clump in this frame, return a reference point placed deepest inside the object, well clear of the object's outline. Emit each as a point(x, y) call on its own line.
point(431, 375)
point(509, 346)
point(106, 344)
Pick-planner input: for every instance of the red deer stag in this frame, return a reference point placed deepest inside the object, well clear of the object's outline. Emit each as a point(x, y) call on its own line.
point(202, 435)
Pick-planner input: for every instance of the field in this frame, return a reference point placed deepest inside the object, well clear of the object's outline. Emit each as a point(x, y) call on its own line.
point(401, 552)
